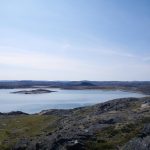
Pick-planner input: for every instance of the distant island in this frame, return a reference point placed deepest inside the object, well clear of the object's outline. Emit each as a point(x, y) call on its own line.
point(36, 91)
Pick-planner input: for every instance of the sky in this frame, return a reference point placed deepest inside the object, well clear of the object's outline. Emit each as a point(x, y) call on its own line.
point(101, 40)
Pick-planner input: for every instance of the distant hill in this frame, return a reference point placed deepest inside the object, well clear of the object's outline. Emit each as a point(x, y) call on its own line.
point(86, 84)
point(140, 86)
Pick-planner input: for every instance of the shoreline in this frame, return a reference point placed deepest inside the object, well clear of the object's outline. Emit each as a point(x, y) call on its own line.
point(123, 123)
point(18, 112)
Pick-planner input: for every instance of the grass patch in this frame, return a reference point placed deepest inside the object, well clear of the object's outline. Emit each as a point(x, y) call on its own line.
point(114, 136)
point(145, 120)
point(14, 128)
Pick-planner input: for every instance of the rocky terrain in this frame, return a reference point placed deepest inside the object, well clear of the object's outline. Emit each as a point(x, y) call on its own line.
point(121, 124)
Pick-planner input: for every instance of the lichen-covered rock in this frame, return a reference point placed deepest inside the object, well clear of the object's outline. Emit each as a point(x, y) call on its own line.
point(142, 142)
point(138, 144)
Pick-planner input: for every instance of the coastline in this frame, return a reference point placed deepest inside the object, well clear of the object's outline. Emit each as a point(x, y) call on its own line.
point(122, 120)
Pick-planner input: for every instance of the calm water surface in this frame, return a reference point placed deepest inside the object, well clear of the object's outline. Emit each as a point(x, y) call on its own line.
point(62, 99)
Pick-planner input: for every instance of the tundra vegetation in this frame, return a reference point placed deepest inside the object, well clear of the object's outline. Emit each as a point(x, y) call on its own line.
point(116, 124)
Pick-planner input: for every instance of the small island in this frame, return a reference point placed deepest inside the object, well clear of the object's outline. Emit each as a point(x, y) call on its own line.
point(36, 91)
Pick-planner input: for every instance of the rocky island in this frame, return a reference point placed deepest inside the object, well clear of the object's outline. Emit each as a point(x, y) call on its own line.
point(120, 124)
point(36, 91)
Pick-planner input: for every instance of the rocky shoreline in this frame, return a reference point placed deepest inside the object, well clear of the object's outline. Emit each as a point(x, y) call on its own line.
point(121, 124)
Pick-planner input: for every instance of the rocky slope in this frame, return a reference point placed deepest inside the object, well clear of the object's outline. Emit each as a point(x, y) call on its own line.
point(121, 124)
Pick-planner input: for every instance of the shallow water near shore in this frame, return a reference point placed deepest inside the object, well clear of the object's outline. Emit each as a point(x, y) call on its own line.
point(62, 99)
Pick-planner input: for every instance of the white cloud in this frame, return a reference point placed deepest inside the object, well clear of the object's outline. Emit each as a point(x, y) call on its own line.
point(146, 58)
point(30, 57)
point(38, 60)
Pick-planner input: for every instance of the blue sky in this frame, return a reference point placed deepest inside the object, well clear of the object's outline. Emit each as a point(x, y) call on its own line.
point(75, 40)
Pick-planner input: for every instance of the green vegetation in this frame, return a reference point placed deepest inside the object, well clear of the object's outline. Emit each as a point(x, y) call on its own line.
point(114, 136)
point(145, 119)
point(13, 128)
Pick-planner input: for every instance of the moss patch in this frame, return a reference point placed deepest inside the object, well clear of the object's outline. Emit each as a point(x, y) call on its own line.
point(14, 128)
point(114, 136)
